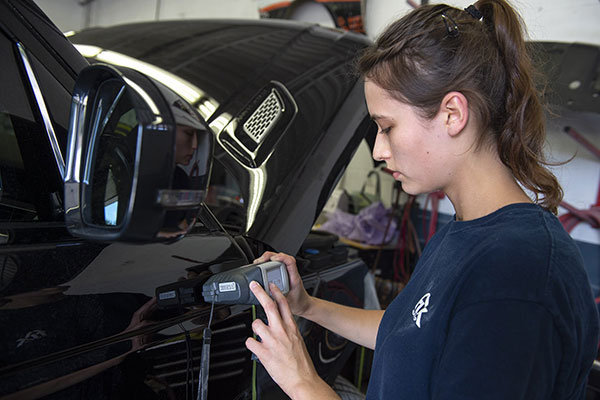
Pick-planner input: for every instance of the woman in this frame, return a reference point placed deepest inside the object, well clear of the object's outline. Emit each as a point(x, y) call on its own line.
point(499, 305)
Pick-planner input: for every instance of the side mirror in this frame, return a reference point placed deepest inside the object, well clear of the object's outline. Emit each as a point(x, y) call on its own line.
point(138, 158)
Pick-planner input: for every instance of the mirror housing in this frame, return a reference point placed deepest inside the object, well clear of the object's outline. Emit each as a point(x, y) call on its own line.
point(134, 172)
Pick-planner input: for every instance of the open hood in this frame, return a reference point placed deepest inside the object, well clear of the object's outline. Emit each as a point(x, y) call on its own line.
point(281, 98)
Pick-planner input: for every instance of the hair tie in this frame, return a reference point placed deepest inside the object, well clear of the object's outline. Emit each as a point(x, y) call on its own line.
point(474, 12)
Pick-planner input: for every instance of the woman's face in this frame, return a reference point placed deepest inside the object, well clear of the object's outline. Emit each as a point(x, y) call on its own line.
point(411, 146)
point(186, 142)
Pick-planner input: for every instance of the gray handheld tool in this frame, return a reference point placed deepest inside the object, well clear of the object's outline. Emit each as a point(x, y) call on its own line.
point(232, 287)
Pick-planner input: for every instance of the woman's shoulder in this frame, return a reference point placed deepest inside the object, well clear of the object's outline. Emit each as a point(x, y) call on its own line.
point(523, 253)
point(519, 232)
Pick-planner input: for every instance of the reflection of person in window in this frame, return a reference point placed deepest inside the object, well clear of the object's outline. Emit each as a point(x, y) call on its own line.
point(186, 143)
point(188, 128)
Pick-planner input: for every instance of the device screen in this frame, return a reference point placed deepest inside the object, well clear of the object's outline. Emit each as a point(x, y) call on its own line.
point(274, 275)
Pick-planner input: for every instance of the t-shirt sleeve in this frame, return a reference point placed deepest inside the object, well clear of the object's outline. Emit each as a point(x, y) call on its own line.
point(499, 349)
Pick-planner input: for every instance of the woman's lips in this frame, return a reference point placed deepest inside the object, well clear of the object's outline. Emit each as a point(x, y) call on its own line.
point(396, 175)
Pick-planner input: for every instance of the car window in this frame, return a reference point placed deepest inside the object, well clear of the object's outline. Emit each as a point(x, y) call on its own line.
point(225, 199)
point(57, 99)
point(21, 184)
point(15, 201)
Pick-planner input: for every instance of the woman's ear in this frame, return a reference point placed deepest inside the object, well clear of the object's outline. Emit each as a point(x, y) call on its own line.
point(455, 110)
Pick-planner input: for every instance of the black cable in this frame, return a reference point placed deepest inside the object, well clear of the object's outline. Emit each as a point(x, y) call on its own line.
point(188, 363)
point(205, 359)
point(212, 308)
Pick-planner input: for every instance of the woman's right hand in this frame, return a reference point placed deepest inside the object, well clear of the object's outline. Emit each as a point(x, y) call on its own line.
point(298, 298)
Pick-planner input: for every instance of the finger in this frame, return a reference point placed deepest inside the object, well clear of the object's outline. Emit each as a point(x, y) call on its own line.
point(254, 346)
point(266, 256)
point(267, 304)
point(290, 264)
point(260, 329)
point(285, 258)
point(282, 304)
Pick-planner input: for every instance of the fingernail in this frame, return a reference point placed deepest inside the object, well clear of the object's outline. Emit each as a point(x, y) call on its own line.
point(253, 285)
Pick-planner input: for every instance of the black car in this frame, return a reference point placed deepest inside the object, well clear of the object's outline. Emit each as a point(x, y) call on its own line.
point(285, 113)
point(79, 316)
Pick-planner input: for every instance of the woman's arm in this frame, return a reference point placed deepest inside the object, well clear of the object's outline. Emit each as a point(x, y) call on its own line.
point(355, 324)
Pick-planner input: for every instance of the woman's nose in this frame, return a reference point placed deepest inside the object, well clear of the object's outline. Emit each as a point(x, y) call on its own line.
point(380, 148)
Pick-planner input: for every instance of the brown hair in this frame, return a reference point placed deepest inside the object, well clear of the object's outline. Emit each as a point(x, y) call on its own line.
point(437, 49)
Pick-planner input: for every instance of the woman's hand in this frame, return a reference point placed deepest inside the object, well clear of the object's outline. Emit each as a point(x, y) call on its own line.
point(281, 349)
point(297, 298)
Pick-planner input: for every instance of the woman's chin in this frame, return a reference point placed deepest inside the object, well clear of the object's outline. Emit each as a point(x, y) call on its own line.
point(412, 188)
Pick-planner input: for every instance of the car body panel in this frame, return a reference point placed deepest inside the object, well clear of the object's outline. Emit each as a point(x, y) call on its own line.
point(288, 181)
point(79, 317)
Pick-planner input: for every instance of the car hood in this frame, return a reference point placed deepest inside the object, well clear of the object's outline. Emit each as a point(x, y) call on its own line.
point(282, 98)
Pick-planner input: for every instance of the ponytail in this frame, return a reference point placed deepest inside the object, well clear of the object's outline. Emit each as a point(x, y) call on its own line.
point(521, 138)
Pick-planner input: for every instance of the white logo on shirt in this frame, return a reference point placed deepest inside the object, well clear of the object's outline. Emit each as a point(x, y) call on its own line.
point(420, 309)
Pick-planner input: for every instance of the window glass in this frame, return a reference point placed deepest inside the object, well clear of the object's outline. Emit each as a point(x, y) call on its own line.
point(12, 96)
point(15, 202)
point(225, 199)
point(57, 100)
point(19, 183)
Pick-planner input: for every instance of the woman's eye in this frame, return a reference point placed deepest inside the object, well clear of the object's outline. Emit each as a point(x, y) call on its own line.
point(385, 131)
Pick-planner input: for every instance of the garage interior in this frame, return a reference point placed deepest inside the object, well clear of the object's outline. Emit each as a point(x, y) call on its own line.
point(569, 32)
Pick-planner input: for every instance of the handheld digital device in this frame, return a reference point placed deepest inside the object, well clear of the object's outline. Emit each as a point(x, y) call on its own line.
point(232, 287)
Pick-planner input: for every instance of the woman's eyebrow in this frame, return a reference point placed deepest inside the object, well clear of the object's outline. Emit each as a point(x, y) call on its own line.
point(376, 117)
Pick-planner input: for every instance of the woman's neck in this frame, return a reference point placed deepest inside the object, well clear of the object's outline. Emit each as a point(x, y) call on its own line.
point(483, 185)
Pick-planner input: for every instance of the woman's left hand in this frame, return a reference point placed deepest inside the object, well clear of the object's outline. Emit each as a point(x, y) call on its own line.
point(282, 350)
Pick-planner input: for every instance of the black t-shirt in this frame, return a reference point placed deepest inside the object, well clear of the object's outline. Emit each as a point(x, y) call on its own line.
point(498, 308)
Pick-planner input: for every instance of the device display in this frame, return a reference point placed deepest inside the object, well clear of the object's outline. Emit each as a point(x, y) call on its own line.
point(232, 287)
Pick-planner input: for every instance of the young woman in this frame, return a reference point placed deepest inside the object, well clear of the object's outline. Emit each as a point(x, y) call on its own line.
point(499, 305)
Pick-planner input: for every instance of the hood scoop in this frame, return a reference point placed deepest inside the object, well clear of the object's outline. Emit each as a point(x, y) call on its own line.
point(251, 136)
point(264, 118)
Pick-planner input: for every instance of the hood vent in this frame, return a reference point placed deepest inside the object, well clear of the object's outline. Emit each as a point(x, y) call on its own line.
point(252, 135)
point(264, 118)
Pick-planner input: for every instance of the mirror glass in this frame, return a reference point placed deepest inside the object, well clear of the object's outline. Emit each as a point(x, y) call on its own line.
point(192, 153)
point(111, 170)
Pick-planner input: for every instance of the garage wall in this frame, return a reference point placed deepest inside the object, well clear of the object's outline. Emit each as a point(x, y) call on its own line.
point(555, 20)
point(551, 20)
point(78, 14)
